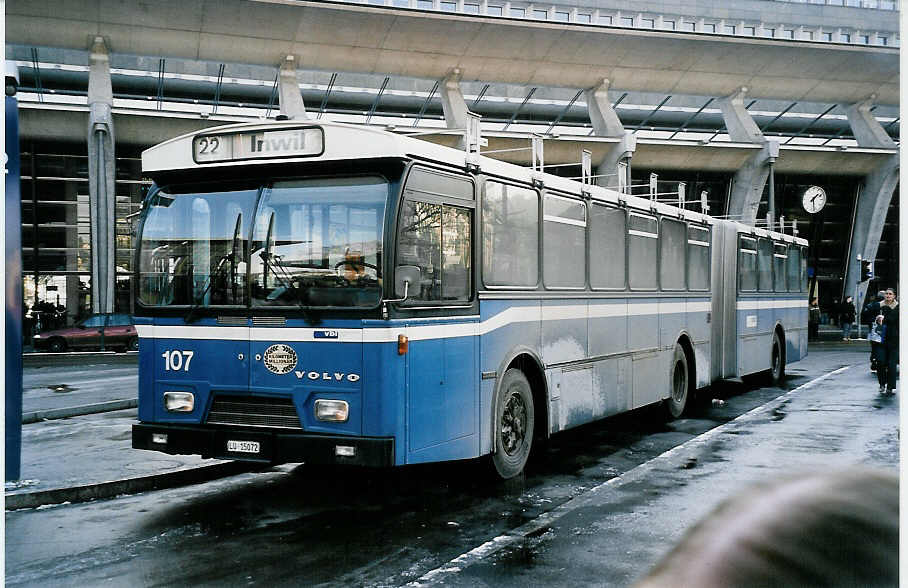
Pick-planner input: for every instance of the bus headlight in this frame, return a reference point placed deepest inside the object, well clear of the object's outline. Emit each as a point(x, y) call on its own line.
point(179, 401)
point(335, 411)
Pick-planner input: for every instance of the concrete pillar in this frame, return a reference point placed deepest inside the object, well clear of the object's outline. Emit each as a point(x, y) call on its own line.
point(607, 124)
point(749, 182)
point(452, 103)
point(750, 179)
point(867, 131)
point(291, 100)
point(457, 115)
point(740, 125)
point(72, 258)
point(101, 171)
point(873, 204)
point(875, 197)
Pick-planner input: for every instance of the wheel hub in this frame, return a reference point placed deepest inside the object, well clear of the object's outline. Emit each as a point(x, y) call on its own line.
point(680, 383)
point(513, 423)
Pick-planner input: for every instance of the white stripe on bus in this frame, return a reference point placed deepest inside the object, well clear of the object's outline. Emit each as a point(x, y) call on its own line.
point(509, 316)
point(565, 221)
point(770, 304)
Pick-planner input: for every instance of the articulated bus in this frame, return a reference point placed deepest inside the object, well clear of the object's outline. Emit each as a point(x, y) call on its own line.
point(330, 293)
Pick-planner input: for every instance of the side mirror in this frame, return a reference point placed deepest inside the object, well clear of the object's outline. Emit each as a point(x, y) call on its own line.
point(406, 277)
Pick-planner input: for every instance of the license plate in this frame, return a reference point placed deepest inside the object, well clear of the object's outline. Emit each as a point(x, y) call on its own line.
point(244, 446)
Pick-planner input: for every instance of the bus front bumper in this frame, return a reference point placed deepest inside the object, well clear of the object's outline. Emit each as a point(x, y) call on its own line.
point(263, 446)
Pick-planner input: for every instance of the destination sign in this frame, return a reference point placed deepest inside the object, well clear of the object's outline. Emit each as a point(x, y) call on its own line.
point(303, 142)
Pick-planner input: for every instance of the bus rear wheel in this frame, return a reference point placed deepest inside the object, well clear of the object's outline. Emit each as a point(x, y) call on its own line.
point(777, 365)
point(514, 424)
point(679, 382)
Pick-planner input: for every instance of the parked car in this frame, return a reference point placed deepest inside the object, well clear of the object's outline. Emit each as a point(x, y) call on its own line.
point(118, 331)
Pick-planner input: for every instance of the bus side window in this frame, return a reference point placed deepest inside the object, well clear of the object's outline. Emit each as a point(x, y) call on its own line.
point(437, 236)
point(698, 258)
point(437, 239)
point(747, 264)
point(510, 235)
point(608, 227)
point(419, 244)
point(457, 253)
point(564, 236)
point(803, 269)
point(642, 251)
point(779, 257)
point(672, 263)
point(764, 265)
point(794, 269)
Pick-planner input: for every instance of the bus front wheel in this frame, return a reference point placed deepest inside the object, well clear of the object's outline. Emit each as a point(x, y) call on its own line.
point(679, 381)
point(514, 424)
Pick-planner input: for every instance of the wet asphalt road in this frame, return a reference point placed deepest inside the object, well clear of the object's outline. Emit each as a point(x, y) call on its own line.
point(299, 525)
point(78, 382)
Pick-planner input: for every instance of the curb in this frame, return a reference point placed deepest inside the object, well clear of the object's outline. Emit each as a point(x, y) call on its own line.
point(62, 413)
point(103, 490)
point(40, 359)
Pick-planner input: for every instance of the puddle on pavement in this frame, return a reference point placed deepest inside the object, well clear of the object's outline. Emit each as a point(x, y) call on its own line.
point(524, 554)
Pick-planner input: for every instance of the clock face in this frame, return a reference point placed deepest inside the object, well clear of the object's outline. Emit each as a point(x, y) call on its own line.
point(814, 199)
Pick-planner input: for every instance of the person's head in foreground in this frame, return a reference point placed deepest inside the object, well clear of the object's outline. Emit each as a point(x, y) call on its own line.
point(837, 528)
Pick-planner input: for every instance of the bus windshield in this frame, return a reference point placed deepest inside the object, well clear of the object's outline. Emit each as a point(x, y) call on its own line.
point(300, 243)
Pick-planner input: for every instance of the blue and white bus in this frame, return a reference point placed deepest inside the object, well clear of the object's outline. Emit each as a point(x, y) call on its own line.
point(330, 293)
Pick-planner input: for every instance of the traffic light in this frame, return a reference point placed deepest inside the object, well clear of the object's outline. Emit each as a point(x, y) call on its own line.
point(866, 270)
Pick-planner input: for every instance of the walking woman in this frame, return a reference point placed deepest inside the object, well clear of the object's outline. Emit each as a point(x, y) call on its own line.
point(887, 369)
point(847, 317)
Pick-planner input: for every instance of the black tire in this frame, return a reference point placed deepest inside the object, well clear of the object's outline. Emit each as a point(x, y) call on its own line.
point(56, 345)
point(679, 384)
point(132, 344)
point(777, 361)
point(514, 425)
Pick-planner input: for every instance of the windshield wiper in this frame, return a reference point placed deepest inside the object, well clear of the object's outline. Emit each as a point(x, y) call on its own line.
point(285, 279)
point(218, 270)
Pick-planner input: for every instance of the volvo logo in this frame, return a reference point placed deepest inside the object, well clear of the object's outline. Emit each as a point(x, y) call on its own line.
point(280, 359)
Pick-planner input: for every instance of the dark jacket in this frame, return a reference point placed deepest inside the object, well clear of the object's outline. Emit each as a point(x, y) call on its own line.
point(891, 322)
point(846, 309)
point(870, 313)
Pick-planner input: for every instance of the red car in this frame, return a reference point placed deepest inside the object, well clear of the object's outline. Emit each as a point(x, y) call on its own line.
point(118, 330)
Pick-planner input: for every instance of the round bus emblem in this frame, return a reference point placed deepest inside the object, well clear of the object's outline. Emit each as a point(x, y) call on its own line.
point(280, 359)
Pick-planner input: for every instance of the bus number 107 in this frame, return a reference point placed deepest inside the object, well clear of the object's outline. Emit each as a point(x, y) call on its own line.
point(177, 360)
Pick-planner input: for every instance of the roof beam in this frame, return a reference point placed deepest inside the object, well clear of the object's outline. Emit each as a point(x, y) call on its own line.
point(321, 109)
point(378, 96)
point(519, 108)
point(691, 118)
point(564, 112)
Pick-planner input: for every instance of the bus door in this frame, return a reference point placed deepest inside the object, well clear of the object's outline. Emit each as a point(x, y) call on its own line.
point(442, 390)
point(435, 235)
point(724, 300)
